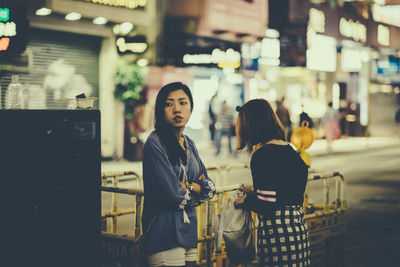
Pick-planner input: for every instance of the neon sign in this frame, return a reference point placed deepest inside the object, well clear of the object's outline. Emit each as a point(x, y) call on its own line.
point(317, 20)
point(13, 29)
point(4, 14)
point(353, 29)
point(230, 58)
point(4, 43)
point(383, 36)
point(8, 29)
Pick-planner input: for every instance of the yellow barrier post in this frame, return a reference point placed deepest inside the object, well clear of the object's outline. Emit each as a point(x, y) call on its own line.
point(326, 223)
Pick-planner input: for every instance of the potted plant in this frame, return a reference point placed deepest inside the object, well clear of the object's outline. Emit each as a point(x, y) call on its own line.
point(130, 89)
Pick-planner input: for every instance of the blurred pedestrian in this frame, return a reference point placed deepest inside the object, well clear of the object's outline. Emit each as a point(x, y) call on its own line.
point(330, 122)
point(284, 116)
point(223, 126)
point(305, 117)
point(279, 181)
point(212, 117)
point(175, 179)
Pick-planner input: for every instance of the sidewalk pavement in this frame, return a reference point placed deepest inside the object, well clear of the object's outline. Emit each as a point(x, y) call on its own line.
point(317, 149)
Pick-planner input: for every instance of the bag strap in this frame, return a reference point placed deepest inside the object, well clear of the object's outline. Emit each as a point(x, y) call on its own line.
point(147, 229)
point(249, 219)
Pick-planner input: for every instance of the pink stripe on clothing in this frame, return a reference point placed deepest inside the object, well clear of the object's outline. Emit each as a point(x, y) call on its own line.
point(273, 193)
point(269, 199)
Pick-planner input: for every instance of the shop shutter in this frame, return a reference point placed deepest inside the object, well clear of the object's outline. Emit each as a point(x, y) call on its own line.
point(60, 65)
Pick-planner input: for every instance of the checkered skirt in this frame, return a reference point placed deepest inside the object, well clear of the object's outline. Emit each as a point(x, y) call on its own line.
point(283, 238)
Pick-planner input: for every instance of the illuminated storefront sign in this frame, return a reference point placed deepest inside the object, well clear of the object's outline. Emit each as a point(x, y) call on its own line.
point(120, 3)
point(353, 29)
point(321, 53)
point(353, 58)
point(134, 45)
point(13, 28)
point(4, 43)
point(8, 29)
point(317, 20)
point(230, 58)
point(4, 14)
point(383, 36)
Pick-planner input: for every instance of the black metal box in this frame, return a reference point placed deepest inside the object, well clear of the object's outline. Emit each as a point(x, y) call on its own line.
point(50, 196)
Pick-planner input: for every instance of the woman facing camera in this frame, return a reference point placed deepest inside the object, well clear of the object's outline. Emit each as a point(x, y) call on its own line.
point(175, 180)
point(279, 180)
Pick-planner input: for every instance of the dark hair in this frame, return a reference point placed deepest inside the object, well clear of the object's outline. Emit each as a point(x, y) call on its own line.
point(257, 123)
point(330, 104)
point(164, 130)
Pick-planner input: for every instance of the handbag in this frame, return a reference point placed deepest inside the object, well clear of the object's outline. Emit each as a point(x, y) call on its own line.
point(137, 251)
point(238, 235)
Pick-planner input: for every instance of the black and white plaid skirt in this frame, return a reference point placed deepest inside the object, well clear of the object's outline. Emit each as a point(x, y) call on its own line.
point(283, 239)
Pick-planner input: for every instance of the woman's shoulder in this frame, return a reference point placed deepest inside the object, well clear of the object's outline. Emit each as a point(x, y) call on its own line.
point(277, 153)
point(189, 140)
point(153, 140)
point(271, 150)
point(153, 137)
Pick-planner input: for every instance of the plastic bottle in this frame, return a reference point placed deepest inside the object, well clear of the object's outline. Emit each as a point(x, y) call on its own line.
point(14, 94)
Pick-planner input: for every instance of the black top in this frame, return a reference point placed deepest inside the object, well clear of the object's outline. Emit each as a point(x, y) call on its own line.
point(279, 179)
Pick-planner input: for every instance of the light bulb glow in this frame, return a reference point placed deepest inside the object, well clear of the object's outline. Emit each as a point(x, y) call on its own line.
point(43, 11)
point(100, 21)
point(73, 16)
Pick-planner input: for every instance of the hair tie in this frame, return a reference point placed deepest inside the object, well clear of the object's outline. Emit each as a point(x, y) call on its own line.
point(238, 108)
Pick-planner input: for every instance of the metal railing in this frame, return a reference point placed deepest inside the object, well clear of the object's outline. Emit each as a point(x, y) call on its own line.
point(114, 212)
point(208, 254)
point(339, 202)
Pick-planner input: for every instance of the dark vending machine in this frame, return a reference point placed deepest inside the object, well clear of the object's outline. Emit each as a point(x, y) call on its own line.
point(50, 198)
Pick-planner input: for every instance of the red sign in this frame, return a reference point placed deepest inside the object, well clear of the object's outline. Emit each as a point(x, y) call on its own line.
point(239, 17)
point(4, 43)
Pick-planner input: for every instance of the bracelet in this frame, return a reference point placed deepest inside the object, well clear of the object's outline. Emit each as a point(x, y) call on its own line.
point(191, 187)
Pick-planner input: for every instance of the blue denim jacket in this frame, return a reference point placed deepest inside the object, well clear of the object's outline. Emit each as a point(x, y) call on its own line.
point(165, 198)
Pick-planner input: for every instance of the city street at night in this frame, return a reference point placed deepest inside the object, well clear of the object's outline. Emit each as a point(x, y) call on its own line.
point(112, 110)
point(373, 197)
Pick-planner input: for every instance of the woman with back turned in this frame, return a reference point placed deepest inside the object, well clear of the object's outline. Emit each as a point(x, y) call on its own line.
point(175, 180)
point(279, 180)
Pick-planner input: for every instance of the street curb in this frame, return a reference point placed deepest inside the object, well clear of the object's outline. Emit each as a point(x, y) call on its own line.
point(363, 150)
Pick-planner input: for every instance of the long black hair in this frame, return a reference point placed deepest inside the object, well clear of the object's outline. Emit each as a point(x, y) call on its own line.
point(164, 129)
point(258, 124)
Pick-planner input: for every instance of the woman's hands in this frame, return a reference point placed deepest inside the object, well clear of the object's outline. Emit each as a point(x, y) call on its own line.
point(243, 190)
point(239, 202)
point(193, 187)
point(246, 189)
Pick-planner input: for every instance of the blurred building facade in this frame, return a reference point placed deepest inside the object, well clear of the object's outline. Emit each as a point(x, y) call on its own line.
point(310, 52)
point(72, 47)
point(335, 51)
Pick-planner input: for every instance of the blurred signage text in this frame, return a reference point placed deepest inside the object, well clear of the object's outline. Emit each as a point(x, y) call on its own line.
point(237, 16)
point(317, 20)
point(4, 14)
point(230, 58)
point(12, 29)
point(353, 29)
point(132, 4)
point(135, 45)
point(383, 36)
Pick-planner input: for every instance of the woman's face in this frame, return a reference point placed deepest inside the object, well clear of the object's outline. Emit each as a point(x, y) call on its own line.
point(177, 109)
